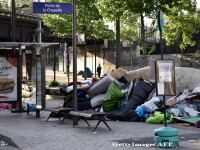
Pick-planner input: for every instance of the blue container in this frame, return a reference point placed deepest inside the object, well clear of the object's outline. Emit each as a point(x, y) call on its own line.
point(166, 137)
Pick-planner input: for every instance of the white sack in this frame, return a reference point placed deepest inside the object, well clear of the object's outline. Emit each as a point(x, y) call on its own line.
point(97, 100)
point(187, 78)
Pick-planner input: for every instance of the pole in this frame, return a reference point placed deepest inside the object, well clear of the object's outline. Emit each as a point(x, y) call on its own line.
point(118, 57)
point(13, 39)
point(13, 18)
point(161, 46)
point(54, 62)
point(95, 59)
point(68, 66)
point(39, 30)
point(85, 63)
point(19, 79)
point(39, 54)
point(161, 49)
point(164, 111)
point(74, 58)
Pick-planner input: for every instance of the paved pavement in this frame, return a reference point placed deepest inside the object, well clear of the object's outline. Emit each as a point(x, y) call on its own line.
point(31, 133)
point(62, 77)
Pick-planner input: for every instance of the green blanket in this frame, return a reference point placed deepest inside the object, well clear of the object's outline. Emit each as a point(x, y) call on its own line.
point(112, 98)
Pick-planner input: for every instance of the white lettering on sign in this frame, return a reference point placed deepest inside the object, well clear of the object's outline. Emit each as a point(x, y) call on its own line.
point(57, 5)
point(49, 5)
point(54, 10)
point(44, 9)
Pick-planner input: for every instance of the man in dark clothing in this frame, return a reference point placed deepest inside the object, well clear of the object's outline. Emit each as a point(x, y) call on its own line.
point(99, 70)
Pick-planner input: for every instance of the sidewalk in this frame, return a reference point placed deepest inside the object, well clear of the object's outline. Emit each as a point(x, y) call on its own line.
point(62, 77)
point(31, 133)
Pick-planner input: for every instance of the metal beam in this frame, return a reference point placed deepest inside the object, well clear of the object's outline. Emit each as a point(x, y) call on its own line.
point(13, 13)
point(75, 102)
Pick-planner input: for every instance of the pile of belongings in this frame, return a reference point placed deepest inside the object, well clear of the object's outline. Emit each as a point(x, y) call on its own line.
point(186, 104)
point(124, 94)
point(131, 96)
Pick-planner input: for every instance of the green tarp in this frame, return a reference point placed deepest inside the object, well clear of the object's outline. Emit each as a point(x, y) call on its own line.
point(189, 119)
point(112, 98)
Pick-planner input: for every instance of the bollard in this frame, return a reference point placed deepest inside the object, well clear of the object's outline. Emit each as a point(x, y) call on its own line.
point(166, 137)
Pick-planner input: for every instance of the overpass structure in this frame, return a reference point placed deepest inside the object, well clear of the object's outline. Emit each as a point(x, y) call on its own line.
point(26, 25)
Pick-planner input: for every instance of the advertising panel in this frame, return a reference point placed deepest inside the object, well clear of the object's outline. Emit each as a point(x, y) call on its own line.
point(39, 82)
point(165, 78)
point(8, 79)
point(80, 38)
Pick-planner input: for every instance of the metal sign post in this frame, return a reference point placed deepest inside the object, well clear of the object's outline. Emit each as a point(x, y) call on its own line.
point(160, 26)
point(63, 8)
point(165, 137)
point(74, 42)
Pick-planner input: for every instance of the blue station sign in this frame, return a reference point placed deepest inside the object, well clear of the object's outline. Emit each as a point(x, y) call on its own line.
point(52, 8)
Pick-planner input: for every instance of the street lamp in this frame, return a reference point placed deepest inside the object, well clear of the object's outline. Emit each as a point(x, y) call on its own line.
point(13, 39)
point(24, 6)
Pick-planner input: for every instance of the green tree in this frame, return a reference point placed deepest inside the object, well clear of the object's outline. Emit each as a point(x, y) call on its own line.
point(148, 8)
point(129, 26)
point(89, 21)
point(113, 10)
point(117, 9)
point(184, 22)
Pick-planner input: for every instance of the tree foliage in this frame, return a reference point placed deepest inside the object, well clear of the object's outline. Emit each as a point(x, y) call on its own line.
point(89, 21)
point(184, 22)
point(111, 9)
point(129, 26)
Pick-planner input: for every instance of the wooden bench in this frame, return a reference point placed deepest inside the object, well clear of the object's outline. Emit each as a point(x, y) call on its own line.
point(59, 110)
point(89, 114)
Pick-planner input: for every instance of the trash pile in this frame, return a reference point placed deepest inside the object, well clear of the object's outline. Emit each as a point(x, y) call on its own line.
point(131, 96)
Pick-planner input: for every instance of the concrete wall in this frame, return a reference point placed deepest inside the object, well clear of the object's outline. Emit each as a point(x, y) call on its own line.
point(90, 61)
point(130, 59)
point(152, 58)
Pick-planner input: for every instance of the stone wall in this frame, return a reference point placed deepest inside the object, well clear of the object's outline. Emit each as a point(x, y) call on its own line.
point(130, 59)
point(191, 60)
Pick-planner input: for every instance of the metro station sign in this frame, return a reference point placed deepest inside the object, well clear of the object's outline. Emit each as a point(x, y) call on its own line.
point(52, 8)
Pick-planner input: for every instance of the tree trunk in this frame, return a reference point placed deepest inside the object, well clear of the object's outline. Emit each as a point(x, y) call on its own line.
point(118, 53)
point(143, 39)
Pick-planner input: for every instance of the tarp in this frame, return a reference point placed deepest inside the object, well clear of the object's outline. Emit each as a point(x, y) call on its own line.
point(142, 72)
point(112, 98)
point(101, 86)
point(159, 118)
point(188, 119)
point(137, 97)
point(97, 100)
point(186, 78)
point(88, 73)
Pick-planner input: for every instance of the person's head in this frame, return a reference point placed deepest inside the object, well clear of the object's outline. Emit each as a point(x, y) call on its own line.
point(99, 64)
